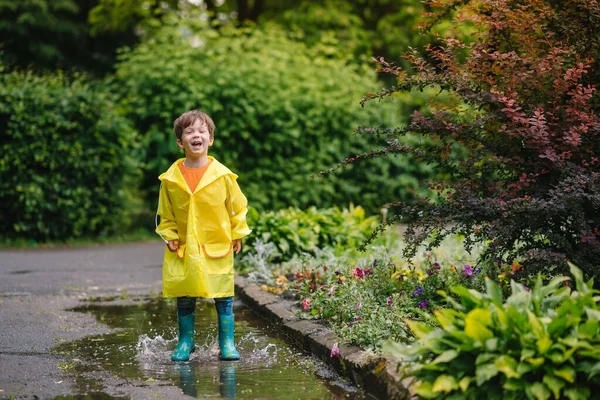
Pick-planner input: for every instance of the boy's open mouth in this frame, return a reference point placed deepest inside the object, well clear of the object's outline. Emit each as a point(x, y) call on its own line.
point(196, 143)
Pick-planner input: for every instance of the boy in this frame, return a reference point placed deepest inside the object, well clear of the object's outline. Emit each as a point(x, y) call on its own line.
point(203, 221)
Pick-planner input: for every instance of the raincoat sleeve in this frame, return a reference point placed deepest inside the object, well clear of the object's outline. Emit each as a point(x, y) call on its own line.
point(167, 229)
point(237, 205)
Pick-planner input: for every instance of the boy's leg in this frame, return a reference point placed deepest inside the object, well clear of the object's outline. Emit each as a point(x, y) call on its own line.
point(224, 307)
point(186, 318)
point(186, 306)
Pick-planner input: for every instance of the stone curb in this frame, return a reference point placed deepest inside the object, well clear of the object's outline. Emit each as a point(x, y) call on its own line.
point(376, 375)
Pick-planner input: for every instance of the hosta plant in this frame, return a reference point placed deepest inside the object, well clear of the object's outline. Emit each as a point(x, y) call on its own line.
point(541, 343)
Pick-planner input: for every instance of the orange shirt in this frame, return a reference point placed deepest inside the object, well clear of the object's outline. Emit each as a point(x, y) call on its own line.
point(193, 176)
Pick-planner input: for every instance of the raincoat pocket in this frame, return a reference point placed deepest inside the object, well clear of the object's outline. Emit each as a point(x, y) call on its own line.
point(217, 250)
point(174, 267)
point(219, 258)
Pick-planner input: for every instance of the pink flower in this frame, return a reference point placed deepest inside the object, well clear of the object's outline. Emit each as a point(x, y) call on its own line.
point(306, 304)
point(358, 272)
point(358, 305)
point(389, 301)
point(335, 350)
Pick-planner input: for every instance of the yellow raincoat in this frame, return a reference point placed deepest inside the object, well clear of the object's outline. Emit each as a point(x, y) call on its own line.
point(205, 222)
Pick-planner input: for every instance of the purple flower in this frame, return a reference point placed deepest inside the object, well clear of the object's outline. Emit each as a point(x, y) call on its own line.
point(468, 270)
point(335, 350)
point(389, 301)
point(435, 268)
point(418, 291)
point(423, 304)
point(526, 288)
point(368, 271)
point(477, 271)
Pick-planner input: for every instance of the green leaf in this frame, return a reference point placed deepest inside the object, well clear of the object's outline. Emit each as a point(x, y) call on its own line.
point(576, 272)
point(424, 390)
point(555, 384)
point(539, 391)
point(524, 368)
point(445, 318)
point(543, 344)
point(485, 372)
point(502, 316)
point(536, 361)
point(419, 329)
point(558, 325)
point(491, 344)
point(508, 366)
point(527, 353)
point(567, 373)
point(494, 292)
point(577, 393)
point(465, 383)
point(594, 371)
point(469, 297)
point(592, 314)
point(516, 385)
point(485, 358)
point(475, 325)
point(536, 325)
point(589, 330)
point(445, 383)
point(445, 357)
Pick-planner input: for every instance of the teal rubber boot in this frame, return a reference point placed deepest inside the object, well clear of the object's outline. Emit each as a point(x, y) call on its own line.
point(185, 345)
point(226, 343)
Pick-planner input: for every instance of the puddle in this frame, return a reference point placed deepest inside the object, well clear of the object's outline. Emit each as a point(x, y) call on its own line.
point(269, 368)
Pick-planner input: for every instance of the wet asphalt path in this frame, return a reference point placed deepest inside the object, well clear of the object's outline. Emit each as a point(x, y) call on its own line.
point(38, 287)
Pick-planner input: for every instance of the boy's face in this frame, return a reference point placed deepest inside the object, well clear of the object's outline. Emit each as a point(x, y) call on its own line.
point(195, 140)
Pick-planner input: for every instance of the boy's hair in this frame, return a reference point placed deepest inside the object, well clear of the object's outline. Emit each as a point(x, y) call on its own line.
point(188, 118)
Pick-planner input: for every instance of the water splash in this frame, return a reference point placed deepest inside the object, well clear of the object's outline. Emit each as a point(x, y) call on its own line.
point(141, 349)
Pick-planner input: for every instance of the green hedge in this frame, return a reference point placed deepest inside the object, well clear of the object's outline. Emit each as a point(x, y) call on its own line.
point(67, 159)
point(283, 113)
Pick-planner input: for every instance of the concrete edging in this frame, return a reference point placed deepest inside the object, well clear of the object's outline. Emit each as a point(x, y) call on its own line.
point(376, 375)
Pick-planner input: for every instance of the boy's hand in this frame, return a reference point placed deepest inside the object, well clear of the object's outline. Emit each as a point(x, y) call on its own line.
point(173, 245)
point(237, 245)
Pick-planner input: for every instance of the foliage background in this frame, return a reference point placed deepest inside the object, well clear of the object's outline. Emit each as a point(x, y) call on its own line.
point(68, 159)
point(283, 113)
point(282, 80)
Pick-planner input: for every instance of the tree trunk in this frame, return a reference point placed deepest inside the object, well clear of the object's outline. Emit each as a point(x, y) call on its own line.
point(243, 11)
point(256, 10)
